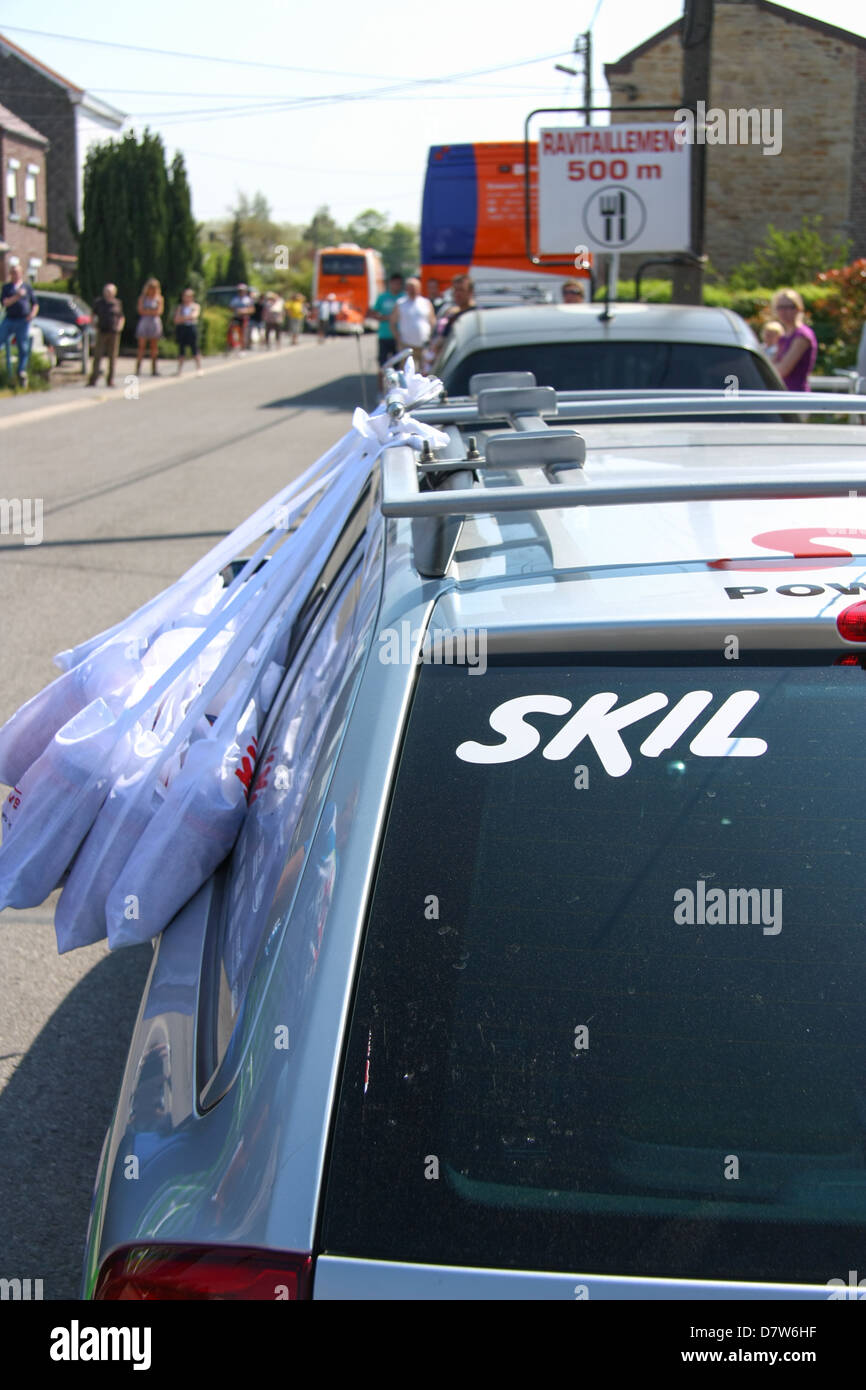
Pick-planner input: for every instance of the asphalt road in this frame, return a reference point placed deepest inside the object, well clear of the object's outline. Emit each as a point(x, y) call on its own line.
point(134, 489)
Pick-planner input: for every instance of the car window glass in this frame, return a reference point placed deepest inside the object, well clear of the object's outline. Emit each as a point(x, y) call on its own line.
point(288, 792)
point(582, 366)
point(571, 1048)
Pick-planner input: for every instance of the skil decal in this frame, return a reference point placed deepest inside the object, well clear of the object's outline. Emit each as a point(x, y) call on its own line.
point(598, 721)
point(799, 542)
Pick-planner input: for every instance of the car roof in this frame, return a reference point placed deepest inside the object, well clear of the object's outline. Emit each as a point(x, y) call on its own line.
point(632, 555)
point(551, 323)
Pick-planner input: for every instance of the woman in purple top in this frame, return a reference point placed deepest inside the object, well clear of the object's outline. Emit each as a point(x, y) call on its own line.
point(797, 349)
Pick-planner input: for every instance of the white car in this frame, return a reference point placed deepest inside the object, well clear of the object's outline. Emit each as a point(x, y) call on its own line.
point(582, 347)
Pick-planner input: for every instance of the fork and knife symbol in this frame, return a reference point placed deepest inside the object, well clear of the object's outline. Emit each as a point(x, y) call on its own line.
point(611, 206)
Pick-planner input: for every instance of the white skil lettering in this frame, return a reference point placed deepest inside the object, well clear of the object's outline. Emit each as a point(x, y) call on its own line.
point(600, 723)
point(714, 740)
point(520, 738)
point(598, 720)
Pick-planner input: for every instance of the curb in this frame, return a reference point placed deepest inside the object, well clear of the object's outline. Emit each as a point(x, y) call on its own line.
point(102, 396)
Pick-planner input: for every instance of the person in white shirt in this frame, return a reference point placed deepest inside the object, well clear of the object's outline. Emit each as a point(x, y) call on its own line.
point(413, 320)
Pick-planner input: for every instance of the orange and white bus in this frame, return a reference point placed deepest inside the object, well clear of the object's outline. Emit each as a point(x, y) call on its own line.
point(355, 276)
point(473, 221)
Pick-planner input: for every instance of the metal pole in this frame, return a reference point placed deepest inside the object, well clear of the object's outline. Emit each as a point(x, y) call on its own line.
point(361, 371)
point(587, 75)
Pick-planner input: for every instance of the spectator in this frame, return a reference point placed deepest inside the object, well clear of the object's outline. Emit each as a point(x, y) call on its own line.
point(434, 294)
point(463, 299)
point(274, 317)
point(19, 301)
point(382, 310)
point(108, 312)
point(798, 347)
point(257, 318)
point(770, 335)
point(242, 306)
point(296, 308)
point(573, 292)
point(149, 327)
point(329, 311)
point(186, 317)
point(412, 320)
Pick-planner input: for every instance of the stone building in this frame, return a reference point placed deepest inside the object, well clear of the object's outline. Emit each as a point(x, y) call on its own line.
point(72, 121)
point(22, 211)
point(766, 56)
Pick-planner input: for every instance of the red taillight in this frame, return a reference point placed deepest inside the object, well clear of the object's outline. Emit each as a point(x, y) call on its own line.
point(851, 622)
point(81, 319)
point(171, 1272)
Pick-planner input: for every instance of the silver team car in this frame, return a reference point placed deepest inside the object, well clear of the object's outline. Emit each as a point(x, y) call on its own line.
point(537, 970)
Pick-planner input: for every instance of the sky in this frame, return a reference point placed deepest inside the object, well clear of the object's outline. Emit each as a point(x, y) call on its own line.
point(337, 102)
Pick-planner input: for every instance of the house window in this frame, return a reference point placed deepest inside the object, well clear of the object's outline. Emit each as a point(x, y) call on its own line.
point(30, 191)
point(12, 188)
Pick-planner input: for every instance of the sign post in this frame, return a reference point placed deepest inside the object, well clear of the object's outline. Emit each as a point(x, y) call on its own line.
point(613, 189)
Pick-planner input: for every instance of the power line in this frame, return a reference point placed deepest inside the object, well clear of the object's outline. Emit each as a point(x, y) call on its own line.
point(274, 67)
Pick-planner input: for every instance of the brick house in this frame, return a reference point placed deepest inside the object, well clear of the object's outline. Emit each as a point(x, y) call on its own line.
point(22, 211)
point(71, 121)
point(764, 55)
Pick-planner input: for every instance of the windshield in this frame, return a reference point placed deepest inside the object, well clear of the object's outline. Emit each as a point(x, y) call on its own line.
point(583, 366)
point(342, 265)
point(610, 1015)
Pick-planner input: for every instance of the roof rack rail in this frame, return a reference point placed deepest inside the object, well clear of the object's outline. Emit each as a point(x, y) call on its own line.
point(570, 405)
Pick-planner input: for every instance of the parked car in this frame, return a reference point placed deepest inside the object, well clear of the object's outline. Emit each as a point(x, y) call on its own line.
point(66, 341)
point(537, 969)
point(576, 347)
point(72, 311)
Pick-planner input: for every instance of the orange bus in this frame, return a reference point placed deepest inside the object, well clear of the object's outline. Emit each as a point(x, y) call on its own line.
point(473, 220)
point(355, 276)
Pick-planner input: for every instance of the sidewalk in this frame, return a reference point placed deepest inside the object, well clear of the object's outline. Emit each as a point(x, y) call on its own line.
point(73, 394)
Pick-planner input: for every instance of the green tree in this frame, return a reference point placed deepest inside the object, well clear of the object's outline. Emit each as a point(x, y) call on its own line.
point(323, 230)
point(369, 228)
point(183, 250)
point(132, 227)
point(236, 272)
point(401, 251)
point(791, 258)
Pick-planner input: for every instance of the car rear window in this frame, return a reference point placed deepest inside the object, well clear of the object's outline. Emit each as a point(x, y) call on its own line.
point(582, 366)
point(611, 1011)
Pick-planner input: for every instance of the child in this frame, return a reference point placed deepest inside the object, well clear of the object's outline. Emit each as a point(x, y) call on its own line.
point(770, 335)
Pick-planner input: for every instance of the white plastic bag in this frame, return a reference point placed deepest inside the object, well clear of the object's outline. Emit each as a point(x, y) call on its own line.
point(188, 836)
point(109, 673)
point(50, 810)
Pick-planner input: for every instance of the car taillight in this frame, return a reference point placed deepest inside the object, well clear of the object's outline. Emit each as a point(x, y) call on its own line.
point(851, 622)
point(172, 1272)
point(81, 319)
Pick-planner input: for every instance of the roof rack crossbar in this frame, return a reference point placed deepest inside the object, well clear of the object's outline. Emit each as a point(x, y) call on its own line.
point(401, 496)
point(571, 406)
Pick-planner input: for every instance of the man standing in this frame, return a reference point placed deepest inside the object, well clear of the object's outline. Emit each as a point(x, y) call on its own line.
point(108, 312)
point(382, 310)
point(21, 307)
point(412, 320)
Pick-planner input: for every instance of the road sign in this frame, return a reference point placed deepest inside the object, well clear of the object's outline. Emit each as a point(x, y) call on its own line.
point(613, 188)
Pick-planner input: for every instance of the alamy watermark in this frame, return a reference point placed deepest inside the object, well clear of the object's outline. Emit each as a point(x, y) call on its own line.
point(737, 126)
point(439, 647)
point(22, 516)
point(730, 907)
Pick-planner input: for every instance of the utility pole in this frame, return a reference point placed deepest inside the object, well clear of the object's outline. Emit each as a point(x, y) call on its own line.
point(583, 46)
point(696, 39)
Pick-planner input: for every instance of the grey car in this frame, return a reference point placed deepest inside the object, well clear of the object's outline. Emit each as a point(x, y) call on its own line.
point(536, 971)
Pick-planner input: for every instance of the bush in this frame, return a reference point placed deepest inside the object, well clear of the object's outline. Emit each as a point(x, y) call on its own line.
point(38, 369)
point(56, 286)
point(213, 329)
point(791, 258)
